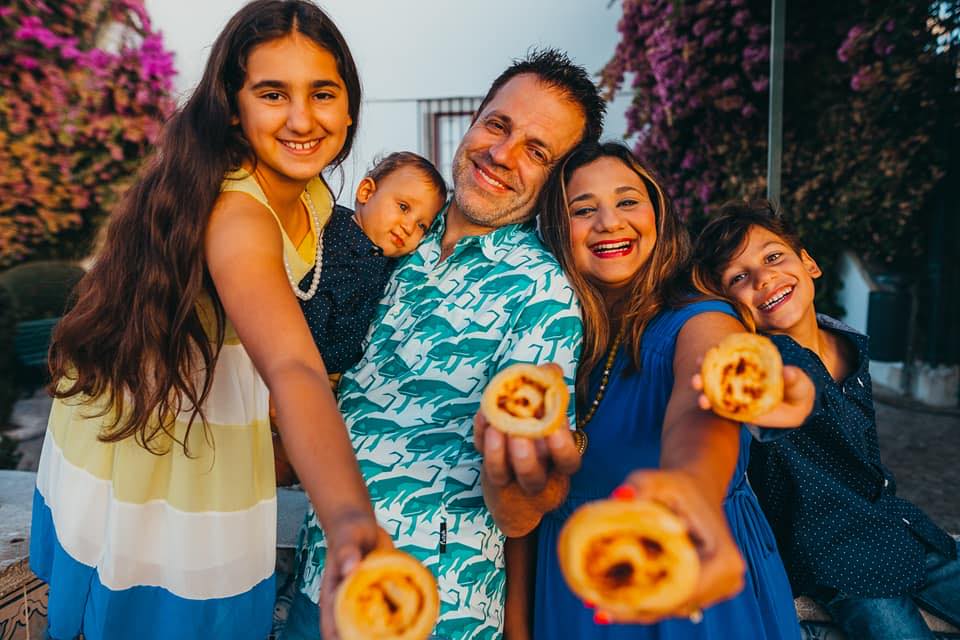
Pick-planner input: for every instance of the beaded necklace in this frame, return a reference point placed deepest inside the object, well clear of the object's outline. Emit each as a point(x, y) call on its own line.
point(579, 435)
point(318, 260)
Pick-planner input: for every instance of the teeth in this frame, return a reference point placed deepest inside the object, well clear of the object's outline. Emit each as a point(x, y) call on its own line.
point(300, 146)
point(612, 246)
point(491, 181)
point(773, 301)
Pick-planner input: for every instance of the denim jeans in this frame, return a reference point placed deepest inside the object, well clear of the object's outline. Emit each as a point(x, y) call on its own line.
point(303, 621)
point(899, 618)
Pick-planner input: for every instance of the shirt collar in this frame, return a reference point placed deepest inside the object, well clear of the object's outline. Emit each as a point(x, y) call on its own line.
point(495, 245)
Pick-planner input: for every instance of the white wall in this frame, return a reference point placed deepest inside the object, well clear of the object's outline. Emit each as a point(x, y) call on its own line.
point(415, 49)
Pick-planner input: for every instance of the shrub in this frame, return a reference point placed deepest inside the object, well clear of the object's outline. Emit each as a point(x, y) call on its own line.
point(85, 86)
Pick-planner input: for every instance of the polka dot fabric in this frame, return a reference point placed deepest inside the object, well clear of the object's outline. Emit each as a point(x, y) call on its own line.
point(354, 275)
point(832, 504)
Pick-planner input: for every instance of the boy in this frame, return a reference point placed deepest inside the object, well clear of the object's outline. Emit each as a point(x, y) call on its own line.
point(865, 555)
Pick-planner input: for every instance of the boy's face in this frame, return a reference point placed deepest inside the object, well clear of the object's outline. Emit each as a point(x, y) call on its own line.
point(396, 211)
point(772, 280)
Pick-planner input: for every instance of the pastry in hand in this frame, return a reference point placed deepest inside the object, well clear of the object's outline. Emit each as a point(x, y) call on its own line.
point(526, 400)
point(743, 377)
point(632, 559)
point(389, 596)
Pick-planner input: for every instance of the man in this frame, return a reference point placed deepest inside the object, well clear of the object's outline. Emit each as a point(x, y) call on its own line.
point(479, 294)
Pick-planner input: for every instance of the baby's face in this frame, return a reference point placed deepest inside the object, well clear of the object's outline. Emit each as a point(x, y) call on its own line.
point(772, 280)
point(396, 211)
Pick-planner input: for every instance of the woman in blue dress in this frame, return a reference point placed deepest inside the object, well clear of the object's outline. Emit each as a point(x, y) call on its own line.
point(612, 227)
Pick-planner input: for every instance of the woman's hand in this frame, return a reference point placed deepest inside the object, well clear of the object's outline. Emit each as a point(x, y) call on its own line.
point(721, 566)
point(351, 537)
point(799, 396)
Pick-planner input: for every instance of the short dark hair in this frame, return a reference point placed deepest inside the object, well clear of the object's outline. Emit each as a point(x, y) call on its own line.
point(723, 237)
point(382, 167)
point(555, 69)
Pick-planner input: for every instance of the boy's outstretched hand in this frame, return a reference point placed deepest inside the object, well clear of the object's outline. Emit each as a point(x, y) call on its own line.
point(799, 396)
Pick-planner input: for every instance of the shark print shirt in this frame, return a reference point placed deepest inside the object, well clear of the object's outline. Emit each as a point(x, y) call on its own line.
point(441, 332)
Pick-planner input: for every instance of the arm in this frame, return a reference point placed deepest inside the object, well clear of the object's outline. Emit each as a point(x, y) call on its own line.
point(244, 253)
point(699, 453)
point(521, 563)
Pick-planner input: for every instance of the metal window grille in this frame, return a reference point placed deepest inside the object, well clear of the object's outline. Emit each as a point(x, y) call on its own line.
point(442, 124)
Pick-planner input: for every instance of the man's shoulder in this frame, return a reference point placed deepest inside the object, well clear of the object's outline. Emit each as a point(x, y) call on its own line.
point(532, 255)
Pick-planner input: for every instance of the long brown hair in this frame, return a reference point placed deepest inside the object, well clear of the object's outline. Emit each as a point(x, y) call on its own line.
point(135, 335)
point(724, 237)
point(661, 282)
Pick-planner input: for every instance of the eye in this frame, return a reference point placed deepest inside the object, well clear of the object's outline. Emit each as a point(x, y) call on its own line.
point(773, 257)
point(404, 207)
point(422, 227)
point(272, 96)
point(539, 155)
point(324, 96)
point(495, 125)
point(580, 212)
point(627, 202)
point(737, 278)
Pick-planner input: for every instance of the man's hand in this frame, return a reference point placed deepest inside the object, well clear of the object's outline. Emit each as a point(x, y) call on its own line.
point(526, 461)
point(721, 566)
point(799, 395)
point(351, 538)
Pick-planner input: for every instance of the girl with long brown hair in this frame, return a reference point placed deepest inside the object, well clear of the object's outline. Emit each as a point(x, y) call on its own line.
point(155, 509)
point(612, 226)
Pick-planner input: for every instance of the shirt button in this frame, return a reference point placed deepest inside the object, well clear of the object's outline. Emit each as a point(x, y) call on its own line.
point(886, 483)
point(860, 382)
point(905, 521)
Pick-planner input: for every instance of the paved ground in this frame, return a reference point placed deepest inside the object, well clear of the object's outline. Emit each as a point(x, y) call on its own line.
point(920, 445)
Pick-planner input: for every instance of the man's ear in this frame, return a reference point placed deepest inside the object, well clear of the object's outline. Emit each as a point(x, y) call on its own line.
point(366, 189)
point(810, 264)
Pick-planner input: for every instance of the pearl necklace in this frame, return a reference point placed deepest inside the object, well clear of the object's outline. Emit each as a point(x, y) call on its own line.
point(317, 261)
point(579, 435)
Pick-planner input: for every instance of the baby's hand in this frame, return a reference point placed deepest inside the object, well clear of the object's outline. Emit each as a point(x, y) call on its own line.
point(799, 395)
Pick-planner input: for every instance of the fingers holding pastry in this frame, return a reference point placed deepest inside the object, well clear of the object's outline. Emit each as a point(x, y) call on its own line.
point(389, 596)
point(526, 400)
point(631, 559)
point(742, 377)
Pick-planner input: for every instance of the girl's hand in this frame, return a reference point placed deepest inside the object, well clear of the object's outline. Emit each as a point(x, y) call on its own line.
point(799, 395)
point(721, 566)
point(351, 538)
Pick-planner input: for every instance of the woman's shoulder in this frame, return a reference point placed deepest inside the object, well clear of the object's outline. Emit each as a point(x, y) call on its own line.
point(678, 314)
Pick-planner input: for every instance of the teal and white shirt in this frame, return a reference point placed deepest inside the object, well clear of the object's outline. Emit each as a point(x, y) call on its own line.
point(441, 332)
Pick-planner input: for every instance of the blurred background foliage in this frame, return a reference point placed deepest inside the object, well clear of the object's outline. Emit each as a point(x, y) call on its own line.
point(84, 89)
point(870, 116)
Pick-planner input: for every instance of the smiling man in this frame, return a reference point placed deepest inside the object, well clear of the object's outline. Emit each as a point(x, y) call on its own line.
point(480, 293)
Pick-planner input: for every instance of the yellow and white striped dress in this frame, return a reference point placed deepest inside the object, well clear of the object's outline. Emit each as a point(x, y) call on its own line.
point(140, 545)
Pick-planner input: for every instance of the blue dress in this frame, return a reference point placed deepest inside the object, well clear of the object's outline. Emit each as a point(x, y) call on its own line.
point(763, 610)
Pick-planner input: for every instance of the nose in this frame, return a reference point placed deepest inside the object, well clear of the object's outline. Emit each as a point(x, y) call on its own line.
point(299, 117)
point(607, 219)
point(407, 224)
point(503, 152)
point(762, 276)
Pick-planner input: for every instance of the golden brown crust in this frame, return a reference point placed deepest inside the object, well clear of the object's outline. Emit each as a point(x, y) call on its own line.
point(743, 377)
point(526, 400)
point(630, 558)
point(389, 596)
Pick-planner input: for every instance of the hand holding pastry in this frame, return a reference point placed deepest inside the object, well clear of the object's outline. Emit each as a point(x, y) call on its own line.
point(718, 568)
point(744, 379)
point(632, 559)
point(389, 596)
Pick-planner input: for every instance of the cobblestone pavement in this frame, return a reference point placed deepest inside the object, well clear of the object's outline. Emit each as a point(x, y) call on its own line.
point(921, 447)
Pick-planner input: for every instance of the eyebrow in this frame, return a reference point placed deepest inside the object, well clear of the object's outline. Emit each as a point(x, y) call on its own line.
point(509, 122)
point(279, 84)
point(588, 195)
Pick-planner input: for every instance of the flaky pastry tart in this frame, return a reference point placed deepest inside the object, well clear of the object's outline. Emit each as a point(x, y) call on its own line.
point(629, 558)
point(389, 596)
point(526, 400)
point(743, 376)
